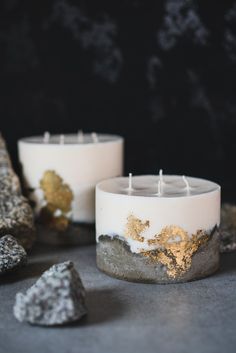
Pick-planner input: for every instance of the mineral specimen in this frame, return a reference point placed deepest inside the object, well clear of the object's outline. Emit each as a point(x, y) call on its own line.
point(16, 216)
point(12, 255)
point(58, 297)
point(228, 228)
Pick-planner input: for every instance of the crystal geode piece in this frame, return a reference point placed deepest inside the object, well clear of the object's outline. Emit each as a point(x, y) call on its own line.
point(58, 297)
point(16, 217)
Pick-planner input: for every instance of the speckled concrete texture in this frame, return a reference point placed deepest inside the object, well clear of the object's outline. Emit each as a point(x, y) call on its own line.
point(115, 258)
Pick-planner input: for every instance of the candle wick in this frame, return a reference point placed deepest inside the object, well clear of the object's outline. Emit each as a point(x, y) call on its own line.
point(46, 137)
point(161, 176)
point(80, 136)
point(94, 137)
point(130, 188)
point(186, 184)
point(62, 139)
point(160, 182)
point(159, 188)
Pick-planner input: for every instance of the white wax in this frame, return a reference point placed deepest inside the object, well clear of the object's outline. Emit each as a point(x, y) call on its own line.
point(80, 164)
point(193, 210)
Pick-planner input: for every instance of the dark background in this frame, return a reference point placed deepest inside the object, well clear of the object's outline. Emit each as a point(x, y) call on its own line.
point(160, 73)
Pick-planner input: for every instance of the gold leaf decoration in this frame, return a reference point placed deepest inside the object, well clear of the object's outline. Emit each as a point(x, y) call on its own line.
point(135, 227)
point(58, 196)
point(175, 247)
point(169, 234)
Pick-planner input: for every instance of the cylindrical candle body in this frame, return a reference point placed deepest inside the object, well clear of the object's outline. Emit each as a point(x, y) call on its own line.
point(62, 174)
point(166, 230)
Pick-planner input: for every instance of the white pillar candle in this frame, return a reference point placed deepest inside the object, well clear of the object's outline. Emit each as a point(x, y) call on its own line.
point(75, 163)
point(158, 213)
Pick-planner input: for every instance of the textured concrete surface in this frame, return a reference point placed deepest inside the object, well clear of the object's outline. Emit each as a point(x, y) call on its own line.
point(126, 317)
point(115, 258)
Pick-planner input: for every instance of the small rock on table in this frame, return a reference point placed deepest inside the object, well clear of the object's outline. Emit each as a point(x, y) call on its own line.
point(58, 297)
point(12, 255)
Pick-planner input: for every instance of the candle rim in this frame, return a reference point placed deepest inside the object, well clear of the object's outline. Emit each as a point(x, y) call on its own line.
point(217, 187)
point(37, 140)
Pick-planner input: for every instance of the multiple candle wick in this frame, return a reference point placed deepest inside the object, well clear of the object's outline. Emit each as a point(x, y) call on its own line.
point(160, 184)
point(94, 139)
point(80, 137)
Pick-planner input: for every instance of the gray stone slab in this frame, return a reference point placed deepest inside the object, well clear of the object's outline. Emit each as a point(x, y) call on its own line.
point(126, 317)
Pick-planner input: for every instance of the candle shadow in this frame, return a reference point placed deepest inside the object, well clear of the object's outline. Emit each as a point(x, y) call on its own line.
point(103, 305)
point(30, 270)
point(227, 263)
point(49, 249)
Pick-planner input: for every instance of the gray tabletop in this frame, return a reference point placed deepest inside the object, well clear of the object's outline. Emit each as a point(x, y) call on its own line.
point(126, 317)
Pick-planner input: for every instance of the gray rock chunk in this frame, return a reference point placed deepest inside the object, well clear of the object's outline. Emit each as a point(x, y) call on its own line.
point(16, 216)
point(58, 297)
point(12, 255)
point(228, 228)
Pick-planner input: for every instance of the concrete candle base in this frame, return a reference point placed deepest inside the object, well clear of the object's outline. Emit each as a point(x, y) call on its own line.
point(159, 266)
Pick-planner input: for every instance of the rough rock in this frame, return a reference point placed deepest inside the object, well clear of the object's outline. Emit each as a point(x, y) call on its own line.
point(12, 255)
point(228, 228)
point(16, 216)
point(58, 297)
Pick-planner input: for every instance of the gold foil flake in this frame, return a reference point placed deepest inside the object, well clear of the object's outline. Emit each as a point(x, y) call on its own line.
point(176, 255)
point(135, 227)
point(175, 248)
point(58, 196)
point(169, 234)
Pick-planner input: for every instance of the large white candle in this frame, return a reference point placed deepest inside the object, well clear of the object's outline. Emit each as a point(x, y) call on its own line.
point(170, 217)
point(62, 171)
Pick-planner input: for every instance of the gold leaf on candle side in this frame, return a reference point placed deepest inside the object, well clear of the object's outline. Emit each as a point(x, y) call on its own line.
point(169, 234)
point(176, 255)
point(135, 227)
point(58, 196)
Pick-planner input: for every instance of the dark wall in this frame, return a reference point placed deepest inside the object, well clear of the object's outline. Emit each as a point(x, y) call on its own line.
point(160, 73)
